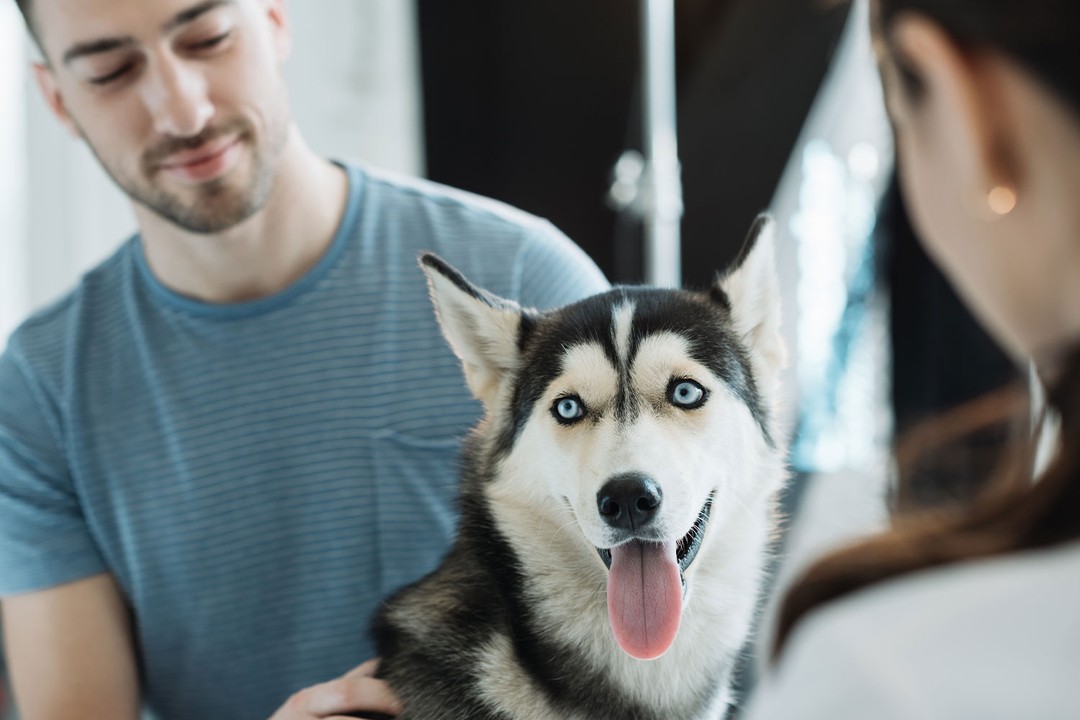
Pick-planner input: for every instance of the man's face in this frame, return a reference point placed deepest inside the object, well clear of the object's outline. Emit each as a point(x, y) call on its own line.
point(182, 101)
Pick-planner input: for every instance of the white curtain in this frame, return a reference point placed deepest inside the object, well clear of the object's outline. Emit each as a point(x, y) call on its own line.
point(13, 288)
point(826, 205)
point(835, 322)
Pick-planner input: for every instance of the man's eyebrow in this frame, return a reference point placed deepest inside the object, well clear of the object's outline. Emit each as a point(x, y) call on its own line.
point(186, 16)
point(95, 47)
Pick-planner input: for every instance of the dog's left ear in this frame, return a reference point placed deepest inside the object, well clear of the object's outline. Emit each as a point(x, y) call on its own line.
point(482, 328)
point(751, 289)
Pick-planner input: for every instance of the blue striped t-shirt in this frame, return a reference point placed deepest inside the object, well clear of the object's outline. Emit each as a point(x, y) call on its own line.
point(258, 476)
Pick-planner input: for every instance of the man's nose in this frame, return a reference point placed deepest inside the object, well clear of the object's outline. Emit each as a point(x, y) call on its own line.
point(176, 95)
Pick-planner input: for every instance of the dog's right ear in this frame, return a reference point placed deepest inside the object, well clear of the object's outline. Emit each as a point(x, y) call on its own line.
point(482, 328)
point(751, 290)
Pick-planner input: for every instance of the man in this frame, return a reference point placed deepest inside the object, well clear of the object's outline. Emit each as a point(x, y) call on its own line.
point(240, 432)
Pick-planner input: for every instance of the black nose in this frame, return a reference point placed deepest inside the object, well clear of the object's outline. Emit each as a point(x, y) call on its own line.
point(629, 501)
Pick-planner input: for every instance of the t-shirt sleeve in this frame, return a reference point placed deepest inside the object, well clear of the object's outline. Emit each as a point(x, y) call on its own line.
point(551, 270)
point(44, 539)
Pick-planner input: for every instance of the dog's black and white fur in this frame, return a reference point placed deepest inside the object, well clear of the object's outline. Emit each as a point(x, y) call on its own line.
point(632, 421)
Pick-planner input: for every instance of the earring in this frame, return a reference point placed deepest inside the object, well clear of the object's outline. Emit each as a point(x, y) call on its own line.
point(1001, 200)
point(993, 205)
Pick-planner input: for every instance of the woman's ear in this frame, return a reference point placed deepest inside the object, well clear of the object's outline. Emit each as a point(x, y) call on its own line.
point(952, 100)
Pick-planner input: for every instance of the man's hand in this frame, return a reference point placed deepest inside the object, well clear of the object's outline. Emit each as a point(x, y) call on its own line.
point(354, 693)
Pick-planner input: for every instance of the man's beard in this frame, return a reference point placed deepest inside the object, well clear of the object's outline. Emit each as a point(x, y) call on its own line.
point(216, 205)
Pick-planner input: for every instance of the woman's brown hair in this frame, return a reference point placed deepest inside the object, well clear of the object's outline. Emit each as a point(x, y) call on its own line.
point(1012, 514)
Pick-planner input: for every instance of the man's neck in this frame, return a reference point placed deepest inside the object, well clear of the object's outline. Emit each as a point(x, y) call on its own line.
point(268, 251)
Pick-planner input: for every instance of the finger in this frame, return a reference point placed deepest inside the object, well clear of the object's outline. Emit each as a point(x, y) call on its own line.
point(376, 695)
point(367, 669)
point(351, 694)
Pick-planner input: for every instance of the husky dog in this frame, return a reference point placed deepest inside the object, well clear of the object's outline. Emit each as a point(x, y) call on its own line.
point(617, 500)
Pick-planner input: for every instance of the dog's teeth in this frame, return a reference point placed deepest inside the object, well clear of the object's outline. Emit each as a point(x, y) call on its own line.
point(686, 548)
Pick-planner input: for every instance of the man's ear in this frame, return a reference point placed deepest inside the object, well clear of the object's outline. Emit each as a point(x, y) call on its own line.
point(281, 28)
point(960, 102)
point(46, 82)
point(482, 329)
point(751, 289)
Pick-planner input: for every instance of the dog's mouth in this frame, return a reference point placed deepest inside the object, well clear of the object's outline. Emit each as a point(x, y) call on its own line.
point(647, 587)
point(686, 549)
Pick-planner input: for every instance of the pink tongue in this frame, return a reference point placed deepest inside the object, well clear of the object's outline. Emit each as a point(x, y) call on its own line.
point(644, 597)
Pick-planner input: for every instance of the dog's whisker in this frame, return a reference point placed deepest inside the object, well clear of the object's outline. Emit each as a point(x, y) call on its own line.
point(738, 503)
point(558, 530)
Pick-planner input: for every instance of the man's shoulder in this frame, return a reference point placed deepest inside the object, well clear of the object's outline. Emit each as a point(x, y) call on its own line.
point(506, 250)
point(44, 337)
point(410, 193)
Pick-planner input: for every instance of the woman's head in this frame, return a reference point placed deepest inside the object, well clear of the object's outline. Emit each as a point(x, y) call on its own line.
point(985, 93)
point(985, 100)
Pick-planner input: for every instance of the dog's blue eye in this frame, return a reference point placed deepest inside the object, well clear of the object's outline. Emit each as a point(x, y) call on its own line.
point(686, 394)
point(568, 409)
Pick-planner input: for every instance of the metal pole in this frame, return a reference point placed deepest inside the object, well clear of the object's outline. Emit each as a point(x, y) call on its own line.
point(663, 204)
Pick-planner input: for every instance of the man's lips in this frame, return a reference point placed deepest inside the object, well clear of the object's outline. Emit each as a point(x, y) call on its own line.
point(203, 163)
point(200, 154)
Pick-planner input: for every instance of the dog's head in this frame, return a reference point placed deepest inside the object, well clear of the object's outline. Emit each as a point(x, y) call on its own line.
point(638, 415)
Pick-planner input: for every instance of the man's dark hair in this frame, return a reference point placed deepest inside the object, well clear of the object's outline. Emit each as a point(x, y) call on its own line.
point(25, 9)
